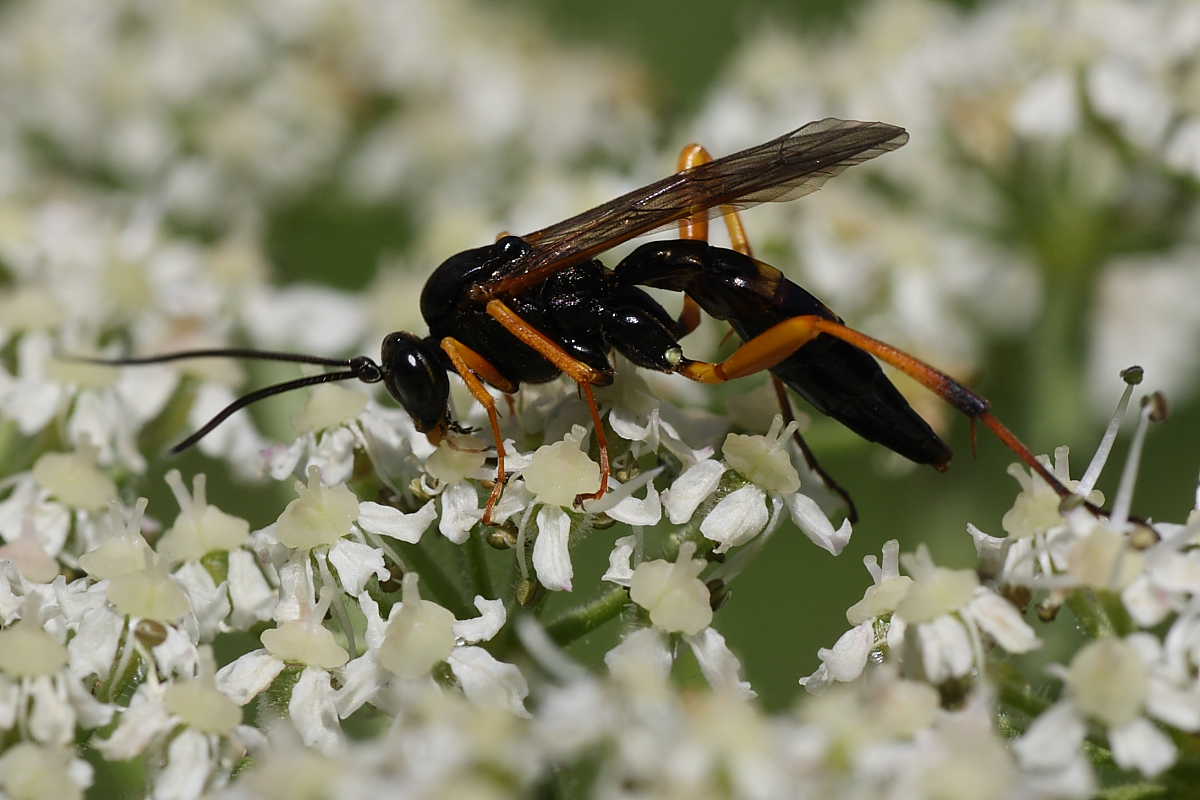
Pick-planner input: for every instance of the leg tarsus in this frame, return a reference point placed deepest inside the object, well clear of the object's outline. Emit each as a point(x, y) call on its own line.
point(467, 363)
point(602, 440)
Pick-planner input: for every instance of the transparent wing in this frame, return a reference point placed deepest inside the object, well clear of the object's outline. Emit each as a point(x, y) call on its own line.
point(790, 166)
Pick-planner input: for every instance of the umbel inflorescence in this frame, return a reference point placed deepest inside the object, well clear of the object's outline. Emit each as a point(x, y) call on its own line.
point(315, 609)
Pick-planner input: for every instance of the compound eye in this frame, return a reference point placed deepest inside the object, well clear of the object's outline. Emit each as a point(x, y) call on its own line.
point(511, 247)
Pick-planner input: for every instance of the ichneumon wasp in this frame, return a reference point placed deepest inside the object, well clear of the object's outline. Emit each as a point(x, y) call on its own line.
point(526, 309)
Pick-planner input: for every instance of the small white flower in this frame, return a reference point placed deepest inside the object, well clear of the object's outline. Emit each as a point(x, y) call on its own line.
point(743, 514)
point(420, 634)
point(29, 771)
point(300, 638)
point(190, 709)
point(320, 515)
point(938, 606)
point(672, 592)
point(150, 593)
point(75, 480)
point(651, 423)
point(200, 528)
point(1036, 508)
point(1116, 683)
point(38, 691)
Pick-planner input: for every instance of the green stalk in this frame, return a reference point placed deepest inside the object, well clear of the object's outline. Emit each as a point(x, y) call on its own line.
point(476, 565)
point(1093, 614)
point(585, 618)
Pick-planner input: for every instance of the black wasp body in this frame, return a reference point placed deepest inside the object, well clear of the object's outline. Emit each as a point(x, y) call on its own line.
point(527, 309)
point(591, 311)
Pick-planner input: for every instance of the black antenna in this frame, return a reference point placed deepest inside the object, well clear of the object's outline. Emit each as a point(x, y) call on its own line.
point(218, 352)
point(360, 367)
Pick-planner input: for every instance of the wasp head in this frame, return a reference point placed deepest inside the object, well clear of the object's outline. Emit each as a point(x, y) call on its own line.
point(414, 373)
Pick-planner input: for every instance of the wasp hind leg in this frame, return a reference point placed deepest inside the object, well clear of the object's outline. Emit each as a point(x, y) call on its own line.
point(696, 227)
point(775, 344)
point(583, 374)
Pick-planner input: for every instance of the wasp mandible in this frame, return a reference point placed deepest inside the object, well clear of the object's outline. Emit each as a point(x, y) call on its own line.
point(526, 309)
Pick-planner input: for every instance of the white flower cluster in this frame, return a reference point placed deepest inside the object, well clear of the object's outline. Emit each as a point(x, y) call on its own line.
point(337, 646)
point(1132, 585)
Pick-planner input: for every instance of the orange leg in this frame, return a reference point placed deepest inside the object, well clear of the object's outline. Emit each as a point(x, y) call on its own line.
point(586, 376)
point(547, 347)
point(469, 364)
point(779, 341)
point(696, 227)
point(605, 469)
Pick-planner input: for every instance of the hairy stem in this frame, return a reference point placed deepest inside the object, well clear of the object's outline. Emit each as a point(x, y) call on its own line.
point(585, 618)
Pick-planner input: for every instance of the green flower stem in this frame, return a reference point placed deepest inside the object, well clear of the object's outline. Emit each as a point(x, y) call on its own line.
point(1099, 613)
point(342, 615)
point(1015, 693)
point(476, 565)
point(1133, 791)
point(585, 618)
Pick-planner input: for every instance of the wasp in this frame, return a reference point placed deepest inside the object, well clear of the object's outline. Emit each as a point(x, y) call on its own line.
point(526, 309)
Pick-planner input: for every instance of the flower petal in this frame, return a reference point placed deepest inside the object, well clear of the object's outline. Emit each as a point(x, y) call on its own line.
point(460, 511)
point(718, 663)
point(482, 628)
point(619, 569)
point(249, 676)
point(809, 518)
point(551, 555)
point(945, 649)
point(1053, 739)
point(251, 597)
point(189, 763)
point(390, 521)
point(691, 488)
point(739, 517)
point(1140, 745)
point(355, 563)
point(313, 710)
point(848, 657)
point(488, 682)
point(1000, 619)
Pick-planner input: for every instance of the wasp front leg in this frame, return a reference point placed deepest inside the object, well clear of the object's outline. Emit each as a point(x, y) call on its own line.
point(471, 366)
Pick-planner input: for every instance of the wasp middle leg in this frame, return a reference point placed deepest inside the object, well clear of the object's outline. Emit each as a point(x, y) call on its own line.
point(582, 373)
